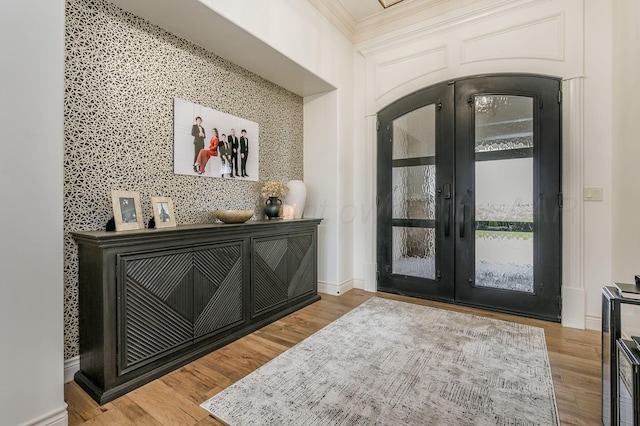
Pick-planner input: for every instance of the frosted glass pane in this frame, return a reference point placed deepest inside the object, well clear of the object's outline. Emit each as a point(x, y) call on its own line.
point(503, 122)
point(414, 192)
point(414, 252)
point(504, 238)
point(504, 260)
point(504, 190)
point(414, 134)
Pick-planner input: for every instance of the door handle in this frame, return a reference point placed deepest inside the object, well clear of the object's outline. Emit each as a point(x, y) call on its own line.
point(460, 216)
point(447, 220)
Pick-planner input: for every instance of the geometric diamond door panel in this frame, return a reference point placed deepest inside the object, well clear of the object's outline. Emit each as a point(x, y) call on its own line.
point(283, 269)
point(271, 286)
point(217, 288)
point(155, 307)
point(300, 265)
point(168, 300)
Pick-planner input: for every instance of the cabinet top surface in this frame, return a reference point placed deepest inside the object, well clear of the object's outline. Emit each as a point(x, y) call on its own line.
point(252, 225)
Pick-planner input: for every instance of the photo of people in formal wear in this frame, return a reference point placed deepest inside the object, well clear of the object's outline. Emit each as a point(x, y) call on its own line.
point(211, 143)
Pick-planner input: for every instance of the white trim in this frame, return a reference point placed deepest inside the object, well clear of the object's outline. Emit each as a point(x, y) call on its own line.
point(359, 284)
point(57, 417)
point(573, 307)
point(370, 281)
point(71, 365)
point(370, 243)
point(593, 322)
point(573, 292)
point(444, 23)
point(339, 16)
point(335, 289)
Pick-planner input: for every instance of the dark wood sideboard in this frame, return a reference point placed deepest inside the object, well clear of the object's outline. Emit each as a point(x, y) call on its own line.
point(152, 300)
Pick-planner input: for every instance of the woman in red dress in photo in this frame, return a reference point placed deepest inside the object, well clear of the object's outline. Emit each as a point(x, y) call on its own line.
point(205, 154)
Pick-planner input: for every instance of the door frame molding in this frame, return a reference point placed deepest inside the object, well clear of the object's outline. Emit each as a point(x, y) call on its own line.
point(573, 292)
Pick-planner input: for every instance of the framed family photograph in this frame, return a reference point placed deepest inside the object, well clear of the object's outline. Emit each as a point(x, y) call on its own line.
point(163, 212)
point(211, 143)
point(127, 213)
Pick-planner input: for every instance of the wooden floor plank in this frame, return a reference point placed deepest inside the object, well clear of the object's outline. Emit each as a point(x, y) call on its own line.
point(574, 356)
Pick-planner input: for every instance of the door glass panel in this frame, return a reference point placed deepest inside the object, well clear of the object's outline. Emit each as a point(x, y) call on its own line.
point(414, 189)
point(414, 251)
point(504, 238)
point(414, 192)
point(414, 134)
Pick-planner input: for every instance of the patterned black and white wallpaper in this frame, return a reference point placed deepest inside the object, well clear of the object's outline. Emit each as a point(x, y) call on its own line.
point(121, 76)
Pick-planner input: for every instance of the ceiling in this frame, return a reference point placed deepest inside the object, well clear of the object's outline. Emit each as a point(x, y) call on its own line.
point(361, 9)
point(362, 20)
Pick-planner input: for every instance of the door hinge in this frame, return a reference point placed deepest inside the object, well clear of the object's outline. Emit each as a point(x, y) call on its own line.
point(377, 125)
point(559, 96)
point(377, 200)
point(470, 101)
point(560, 200)
point(439, 105)
point(560, 304)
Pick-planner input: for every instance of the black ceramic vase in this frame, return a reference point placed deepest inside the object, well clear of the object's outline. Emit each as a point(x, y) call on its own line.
point(272, 207)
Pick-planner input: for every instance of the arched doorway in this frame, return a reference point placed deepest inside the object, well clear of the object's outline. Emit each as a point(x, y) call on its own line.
point(469, 194)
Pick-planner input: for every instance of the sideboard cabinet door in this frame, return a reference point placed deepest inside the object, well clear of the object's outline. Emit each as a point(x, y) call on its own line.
point(217, 282)
point(155, 306)
point(284, 269)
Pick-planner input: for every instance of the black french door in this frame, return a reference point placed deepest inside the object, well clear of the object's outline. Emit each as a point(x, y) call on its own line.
point(469, 194)
point(416, 194)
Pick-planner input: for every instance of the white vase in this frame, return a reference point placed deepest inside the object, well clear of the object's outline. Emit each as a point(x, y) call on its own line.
point(296, 197)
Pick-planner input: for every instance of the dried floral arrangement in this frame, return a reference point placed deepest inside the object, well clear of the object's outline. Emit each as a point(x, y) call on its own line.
point(274, 189)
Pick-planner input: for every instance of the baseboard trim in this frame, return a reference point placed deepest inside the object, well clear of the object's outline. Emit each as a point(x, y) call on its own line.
point(573, 307)
point(57, 417)
point(71, 366)
point(593, 322)
point(359, 284)
point(335, 289)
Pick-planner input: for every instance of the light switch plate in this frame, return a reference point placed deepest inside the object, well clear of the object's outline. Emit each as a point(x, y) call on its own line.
point(592, 194)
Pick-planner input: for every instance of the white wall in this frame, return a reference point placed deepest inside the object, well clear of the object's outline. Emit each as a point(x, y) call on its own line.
point(598, 149)
point(31, 320)
point(526, 36)
point(626, 141)
point(626, 152)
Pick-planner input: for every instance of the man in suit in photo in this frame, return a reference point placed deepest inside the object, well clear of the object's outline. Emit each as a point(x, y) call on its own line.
point(244, 153)
point(233, 143)
point(197, 131)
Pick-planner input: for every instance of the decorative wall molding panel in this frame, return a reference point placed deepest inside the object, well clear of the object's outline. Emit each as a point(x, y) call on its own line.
point(528, 36)
point(410, 67)
point(548, 34)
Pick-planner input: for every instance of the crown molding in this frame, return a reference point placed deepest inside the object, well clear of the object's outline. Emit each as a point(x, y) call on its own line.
point(338, 15)
point(403, 18)
point(447, 22)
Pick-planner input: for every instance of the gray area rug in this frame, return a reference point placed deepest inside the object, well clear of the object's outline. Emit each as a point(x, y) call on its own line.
point(395, 363)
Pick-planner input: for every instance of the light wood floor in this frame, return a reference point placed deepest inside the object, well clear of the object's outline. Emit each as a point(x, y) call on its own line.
point(174, 399)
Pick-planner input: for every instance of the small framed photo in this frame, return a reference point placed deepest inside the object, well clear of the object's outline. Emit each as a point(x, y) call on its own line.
point(126, 210)
point(163, 212)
